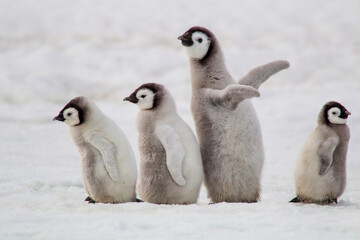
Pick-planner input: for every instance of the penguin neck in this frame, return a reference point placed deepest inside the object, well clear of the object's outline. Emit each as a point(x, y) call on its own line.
point(166, 108)
point(93, 118)
point(342, 131)
point(147, 119)
point(210, 72)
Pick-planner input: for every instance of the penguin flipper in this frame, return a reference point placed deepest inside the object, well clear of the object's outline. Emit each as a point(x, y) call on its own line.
point(175, 152)
point(108, 152)
point(325, 151)
point(231, 96)
point(261, 73)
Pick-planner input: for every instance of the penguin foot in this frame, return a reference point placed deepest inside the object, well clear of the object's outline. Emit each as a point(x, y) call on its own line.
point(295, 200)
point(90, 200)
point(330, 201)
point(138, 200)
point(323, 202)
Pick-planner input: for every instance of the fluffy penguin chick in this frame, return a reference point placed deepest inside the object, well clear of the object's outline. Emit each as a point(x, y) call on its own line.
point(320, 175)
point(171, 170)
point(108, 165)
point(227, 126)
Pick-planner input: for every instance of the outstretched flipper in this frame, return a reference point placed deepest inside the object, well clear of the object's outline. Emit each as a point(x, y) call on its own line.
point(261, 73)
point(326, 151)
point(231, 96)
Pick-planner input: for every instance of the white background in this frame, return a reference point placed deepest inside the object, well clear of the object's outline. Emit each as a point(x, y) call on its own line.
point(52, 51)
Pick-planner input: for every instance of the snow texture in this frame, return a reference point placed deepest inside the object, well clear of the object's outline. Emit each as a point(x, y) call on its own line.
point(52, 51)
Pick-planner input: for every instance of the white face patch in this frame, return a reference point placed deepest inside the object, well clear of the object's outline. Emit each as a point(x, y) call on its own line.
point(200, 46)
point(334, 116)
point(71, 116)
point(145, 98)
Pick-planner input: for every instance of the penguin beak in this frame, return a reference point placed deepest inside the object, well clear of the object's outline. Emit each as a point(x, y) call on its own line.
point(182, 38)
point(347, 113)
point(131, 99)
point(59, 118)
point(186, 39)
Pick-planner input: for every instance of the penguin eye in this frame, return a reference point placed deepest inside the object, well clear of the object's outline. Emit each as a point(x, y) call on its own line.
point(69, 114)
point(333, 113)
point(199, 40)
point(143, 96)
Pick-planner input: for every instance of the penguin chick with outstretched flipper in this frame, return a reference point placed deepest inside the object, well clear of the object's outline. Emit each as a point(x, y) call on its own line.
point(227, 126)
point(320, 174)
point(108, 165)
point(171, 169)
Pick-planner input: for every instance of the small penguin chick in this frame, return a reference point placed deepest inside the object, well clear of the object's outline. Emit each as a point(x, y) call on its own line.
point(225, 119)
point(170, 166)
point(320, 174)
point(108, 164)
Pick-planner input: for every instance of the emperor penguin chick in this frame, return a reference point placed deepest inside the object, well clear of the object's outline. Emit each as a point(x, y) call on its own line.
point(320, 174)
point(171, 170)
point(226, 123)
point(108, 165)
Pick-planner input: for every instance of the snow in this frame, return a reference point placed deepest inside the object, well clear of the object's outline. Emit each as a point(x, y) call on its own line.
point(52, 51)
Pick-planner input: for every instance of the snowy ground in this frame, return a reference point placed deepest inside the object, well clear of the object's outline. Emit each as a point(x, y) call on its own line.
point(51, 51)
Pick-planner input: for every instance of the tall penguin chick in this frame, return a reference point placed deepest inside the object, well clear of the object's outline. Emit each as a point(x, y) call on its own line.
point(108, 165)
point(320, 174)
point(227, 125)
point(171, 170)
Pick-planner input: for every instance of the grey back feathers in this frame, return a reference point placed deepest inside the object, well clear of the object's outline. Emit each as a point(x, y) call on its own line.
point(108, 164)
point(226, 123)
point(170, 168)
point(320, 174)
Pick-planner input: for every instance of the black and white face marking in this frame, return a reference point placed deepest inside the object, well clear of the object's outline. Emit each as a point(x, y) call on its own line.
point(335, 116)
point(147, 96)
point(336, 113)
point(72, 114)
point(196, 44)
point(145, 99)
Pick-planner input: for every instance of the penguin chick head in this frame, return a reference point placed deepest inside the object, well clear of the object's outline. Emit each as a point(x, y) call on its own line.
point(74, 112)
point(334, 112)
point(148, 96)
point(197, 42)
